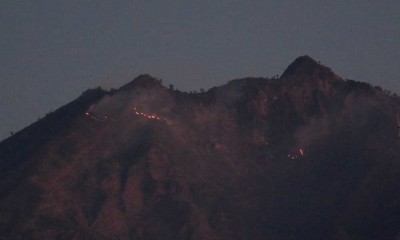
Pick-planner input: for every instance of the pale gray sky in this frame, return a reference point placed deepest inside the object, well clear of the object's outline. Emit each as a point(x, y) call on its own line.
point(52, 50)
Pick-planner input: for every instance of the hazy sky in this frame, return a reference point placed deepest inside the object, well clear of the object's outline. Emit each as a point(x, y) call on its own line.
point(52, 50)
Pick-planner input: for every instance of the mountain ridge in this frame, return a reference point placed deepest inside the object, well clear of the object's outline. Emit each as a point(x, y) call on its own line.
point(307, 66)
point(239, 161)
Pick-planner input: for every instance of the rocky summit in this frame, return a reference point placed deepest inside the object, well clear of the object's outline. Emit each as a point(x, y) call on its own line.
point(307, 155)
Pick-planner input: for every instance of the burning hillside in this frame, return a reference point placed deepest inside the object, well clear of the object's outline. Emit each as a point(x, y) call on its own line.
point(150, 116)
point(304, 156)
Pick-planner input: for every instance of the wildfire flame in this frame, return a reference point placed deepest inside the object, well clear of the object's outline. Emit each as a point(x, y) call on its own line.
point(299, 153)
point(149, 116)
point(136, 111)
point(91, 116)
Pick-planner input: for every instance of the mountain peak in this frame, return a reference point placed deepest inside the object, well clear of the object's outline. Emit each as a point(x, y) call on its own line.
point(307, 66)
point(144, 81)
point(145, 162)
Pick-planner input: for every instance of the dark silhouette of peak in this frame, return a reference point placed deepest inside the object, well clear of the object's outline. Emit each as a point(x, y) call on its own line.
point(40, 132)
point(240, 161)
point(305, 66)
point(143, 81)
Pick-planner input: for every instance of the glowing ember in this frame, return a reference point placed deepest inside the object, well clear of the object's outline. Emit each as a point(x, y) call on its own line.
point(137, 112)
point(301, 152)
point(297, 154)
point(149, 116)
point(91, 116)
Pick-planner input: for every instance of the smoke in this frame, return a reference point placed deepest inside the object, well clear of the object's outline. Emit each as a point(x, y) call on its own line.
point(121, 130)
point(356, 117)
point(154, 100)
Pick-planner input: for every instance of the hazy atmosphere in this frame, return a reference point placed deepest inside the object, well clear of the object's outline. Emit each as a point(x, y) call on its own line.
point(51, 51)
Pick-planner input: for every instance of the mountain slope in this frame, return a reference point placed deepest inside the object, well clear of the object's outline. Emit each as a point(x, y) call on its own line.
point(305, 156)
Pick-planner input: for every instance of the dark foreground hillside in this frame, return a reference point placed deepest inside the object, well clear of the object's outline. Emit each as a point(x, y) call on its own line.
point(305, 156)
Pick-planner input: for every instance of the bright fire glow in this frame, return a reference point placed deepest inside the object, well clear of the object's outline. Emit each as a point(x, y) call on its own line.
point(136, 111)
point(299, 153)
point(149, 116)
point(91, 116)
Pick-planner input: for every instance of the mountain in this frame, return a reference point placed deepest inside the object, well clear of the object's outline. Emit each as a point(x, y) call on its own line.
point(307, 155)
